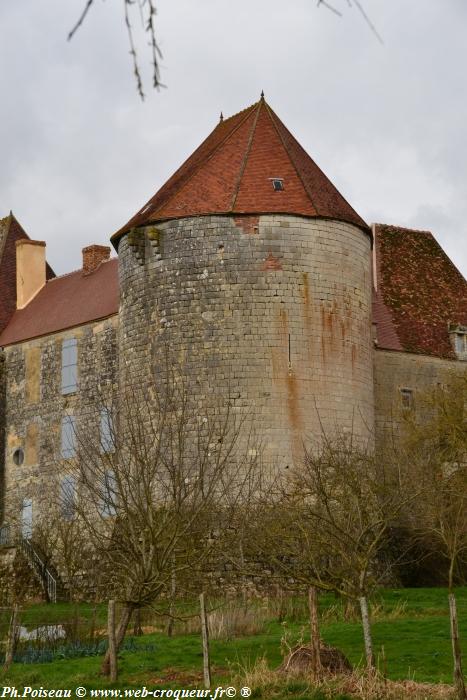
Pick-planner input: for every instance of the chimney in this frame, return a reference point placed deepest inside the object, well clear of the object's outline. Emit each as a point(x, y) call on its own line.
point(93, 256)
point(30, 270)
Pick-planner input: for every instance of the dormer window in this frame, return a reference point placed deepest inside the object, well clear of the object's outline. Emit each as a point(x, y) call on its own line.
point(277, 183)
point(459, 340)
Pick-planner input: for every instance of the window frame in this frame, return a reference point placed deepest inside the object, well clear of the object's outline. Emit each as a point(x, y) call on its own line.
point(108, 504)
point(67, 497)
point(106, 431)
point(68, 446)
point(407, 398)
point(27, 525)
point(69, 366)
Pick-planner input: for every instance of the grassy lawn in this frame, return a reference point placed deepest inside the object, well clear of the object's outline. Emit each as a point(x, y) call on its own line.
point(412, 625)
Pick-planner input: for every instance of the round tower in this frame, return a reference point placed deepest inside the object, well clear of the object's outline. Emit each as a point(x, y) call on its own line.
point(255, 274)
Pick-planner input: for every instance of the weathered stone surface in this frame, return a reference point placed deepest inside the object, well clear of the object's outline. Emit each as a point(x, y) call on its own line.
point(278, 323)
point(396, 371)
point(34, 406)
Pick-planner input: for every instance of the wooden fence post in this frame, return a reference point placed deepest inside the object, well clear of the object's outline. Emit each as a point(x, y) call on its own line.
point(314, 629)
point(456, 650)
point(205, 636)
point(112, 641)
point(12, 639)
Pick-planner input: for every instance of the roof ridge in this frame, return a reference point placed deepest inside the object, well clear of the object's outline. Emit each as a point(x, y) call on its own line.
point(405, 228)
point(321, 171)
point(272, 114)
point(247, 153)
point(80, 269)
point(211, 154)
point(3, 240)
point(247, 109)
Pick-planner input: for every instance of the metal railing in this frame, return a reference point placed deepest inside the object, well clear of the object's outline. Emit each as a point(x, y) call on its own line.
point(5, 540)
point(40, 567)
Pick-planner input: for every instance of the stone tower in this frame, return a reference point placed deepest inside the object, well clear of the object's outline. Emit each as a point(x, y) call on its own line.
point(256, 274)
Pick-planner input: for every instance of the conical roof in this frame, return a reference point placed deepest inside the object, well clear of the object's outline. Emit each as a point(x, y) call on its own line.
point(232, 172)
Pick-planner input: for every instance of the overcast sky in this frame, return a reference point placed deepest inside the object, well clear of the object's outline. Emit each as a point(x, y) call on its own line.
point(80, 153)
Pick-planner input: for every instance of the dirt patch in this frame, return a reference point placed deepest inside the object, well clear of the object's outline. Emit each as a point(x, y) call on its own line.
point(184, 678)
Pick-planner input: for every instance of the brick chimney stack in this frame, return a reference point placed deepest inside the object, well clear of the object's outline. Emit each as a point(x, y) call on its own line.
point(93, 256)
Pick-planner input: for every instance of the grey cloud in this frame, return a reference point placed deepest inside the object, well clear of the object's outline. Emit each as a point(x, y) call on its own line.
point(81, 153)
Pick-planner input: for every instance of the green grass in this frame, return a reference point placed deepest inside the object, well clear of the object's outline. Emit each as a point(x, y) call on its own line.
point(412, 625)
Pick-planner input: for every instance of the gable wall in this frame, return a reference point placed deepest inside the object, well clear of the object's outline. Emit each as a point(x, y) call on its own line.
point(394, 371)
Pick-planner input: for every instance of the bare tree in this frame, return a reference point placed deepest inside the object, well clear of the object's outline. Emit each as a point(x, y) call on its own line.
point(146, 9)
point(147, 14)
point(158, 483)
point(436, 437)
point(330, 522)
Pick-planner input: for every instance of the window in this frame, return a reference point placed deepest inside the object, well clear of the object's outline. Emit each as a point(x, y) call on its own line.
point(407, 398)
point(68, 497)
point(26, 518)
point(458, 335)
point(109, 497)
point(18, 456)
point(107, 434)
point(68, 447)
point(278, 184)
point(460, 343)
point(69, 366)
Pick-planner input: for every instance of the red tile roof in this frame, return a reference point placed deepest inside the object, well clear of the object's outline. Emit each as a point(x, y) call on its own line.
point(420, 293)
point(10, 232)
point(232, 172)
point(65, 302)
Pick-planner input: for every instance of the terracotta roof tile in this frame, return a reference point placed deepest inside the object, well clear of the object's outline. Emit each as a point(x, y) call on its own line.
point(66, 301)
point(420, 292)
point(232, 171)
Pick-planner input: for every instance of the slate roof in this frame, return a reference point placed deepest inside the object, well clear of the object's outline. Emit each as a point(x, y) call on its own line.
point(231, 172)
point(420, 292)
point(10, 232)
point(65, 302)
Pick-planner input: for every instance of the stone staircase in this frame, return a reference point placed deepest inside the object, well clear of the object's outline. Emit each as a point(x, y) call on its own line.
point(44, 571)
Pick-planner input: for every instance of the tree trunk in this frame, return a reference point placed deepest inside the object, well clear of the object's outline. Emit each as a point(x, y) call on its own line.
point(12, 639)
point(205, 636)
point(112, 641)
point(137, 628)
point(456, 650)
point(314, 629)
point(173, 592)
point(119, 636)
point(92, 632)
point(370, 659)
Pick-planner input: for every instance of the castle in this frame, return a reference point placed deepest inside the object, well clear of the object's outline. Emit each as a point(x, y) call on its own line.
point(264, 282)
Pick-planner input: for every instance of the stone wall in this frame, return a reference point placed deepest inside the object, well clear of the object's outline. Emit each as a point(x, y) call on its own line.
point(269, 313)
point(35, 406)
point(398, 371)
point(2, 433)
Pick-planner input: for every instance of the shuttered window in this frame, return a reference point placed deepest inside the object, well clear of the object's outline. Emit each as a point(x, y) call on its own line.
point(109, 499)
point(107, 434)
point(68, 446)
point(68, 497)
point(69, 366)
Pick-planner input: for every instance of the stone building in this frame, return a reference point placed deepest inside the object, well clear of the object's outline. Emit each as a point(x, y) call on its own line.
point(265, 285)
